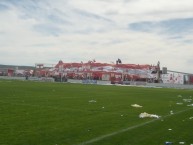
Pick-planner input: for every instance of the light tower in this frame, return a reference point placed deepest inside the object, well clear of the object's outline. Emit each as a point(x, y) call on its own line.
point(158, 71)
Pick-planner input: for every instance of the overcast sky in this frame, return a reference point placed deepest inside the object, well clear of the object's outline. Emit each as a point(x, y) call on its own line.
point(136, 31)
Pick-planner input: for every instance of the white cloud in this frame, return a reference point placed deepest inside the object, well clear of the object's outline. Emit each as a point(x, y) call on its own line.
point(74, 31)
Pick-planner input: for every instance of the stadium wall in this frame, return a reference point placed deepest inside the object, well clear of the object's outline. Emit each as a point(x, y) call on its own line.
point(176, 86)
point(154, 85)
point(42, 79)
point(89, 82)
point(12, 78)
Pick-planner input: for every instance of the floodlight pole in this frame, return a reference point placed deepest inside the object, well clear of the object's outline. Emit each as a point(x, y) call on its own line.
point(61, 72)
point(158, 72)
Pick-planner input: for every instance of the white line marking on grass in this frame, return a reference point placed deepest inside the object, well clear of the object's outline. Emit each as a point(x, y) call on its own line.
point(129, 128)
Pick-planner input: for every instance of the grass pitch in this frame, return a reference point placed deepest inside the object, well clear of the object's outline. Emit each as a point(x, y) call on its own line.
point(34, 113)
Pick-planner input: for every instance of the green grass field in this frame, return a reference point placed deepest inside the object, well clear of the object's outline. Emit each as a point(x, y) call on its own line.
point(34, 113)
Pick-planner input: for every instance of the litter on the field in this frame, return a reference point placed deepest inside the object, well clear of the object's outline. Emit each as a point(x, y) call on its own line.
point(169, 129)
point(92, 101)
point(191, 118)
point(168, 143)
point(179, 103)
point(136, 105)
point(190, 105)
point(180, 96)
point(171, 112)
point(187, 100)
point(181, 142)
point(143, 115)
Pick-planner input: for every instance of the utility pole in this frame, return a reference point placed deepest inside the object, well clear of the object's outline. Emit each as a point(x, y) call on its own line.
point(158, 72)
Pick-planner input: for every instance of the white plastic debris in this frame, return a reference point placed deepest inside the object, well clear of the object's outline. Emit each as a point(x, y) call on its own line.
point(179, 103)
point(143, 115)
point(169, 129)
point(168, 143)
point(181, 142)
point(154, 116)
point(136, 105)
point(171, 112)
point(191, 118)
point(187, 100)
point(92, 101)
point(103, 107)
point(190, 105)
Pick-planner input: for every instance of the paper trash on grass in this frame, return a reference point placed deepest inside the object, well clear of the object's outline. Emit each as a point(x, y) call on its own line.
point(187, 100)
point(171, 112)
point(191, 118)
point(143, 115)
point(181, 142)
point(136, 105)
point(92, 101)
point(168, 143)
point(190, 105)
point(179, 103)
